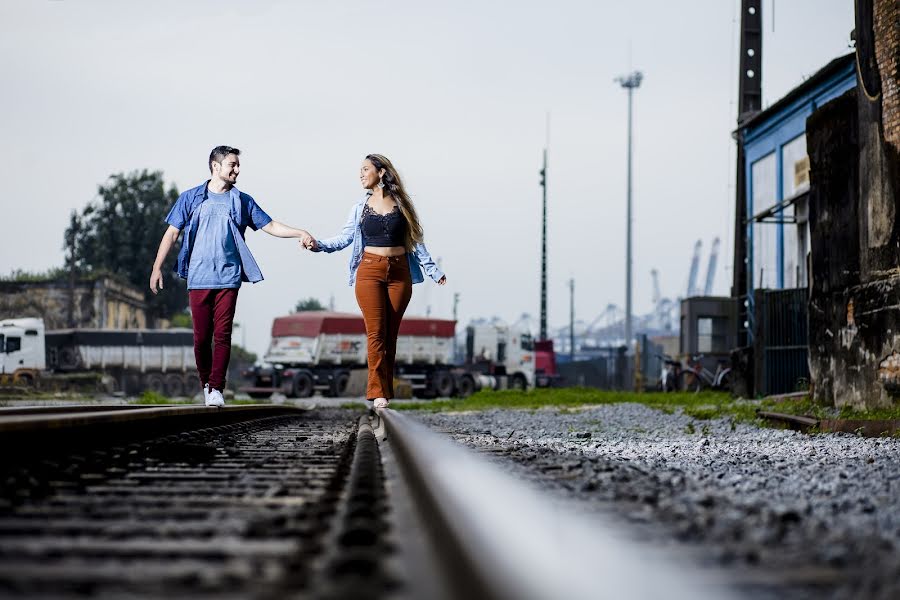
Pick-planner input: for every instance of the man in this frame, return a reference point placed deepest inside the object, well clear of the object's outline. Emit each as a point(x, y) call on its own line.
point(215, 259)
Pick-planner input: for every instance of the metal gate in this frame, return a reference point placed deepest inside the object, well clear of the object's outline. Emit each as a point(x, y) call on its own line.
point(781, 340)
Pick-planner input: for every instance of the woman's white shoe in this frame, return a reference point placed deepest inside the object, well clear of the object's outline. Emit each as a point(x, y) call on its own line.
point(381, 402)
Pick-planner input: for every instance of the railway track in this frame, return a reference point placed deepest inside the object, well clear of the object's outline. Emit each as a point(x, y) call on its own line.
point(274, 502)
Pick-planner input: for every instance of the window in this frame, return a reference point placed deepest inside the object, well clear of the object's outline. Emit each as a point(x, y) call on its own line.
point(791, 266)
point(527, 342)
point(712, 334)
point(794, 167)
point(794, 180)
point(765, 236)
point(13, 344)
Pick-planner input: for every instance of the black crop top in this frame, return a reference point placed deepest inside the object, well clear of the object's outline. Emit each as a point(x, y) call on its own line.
point(383, 231)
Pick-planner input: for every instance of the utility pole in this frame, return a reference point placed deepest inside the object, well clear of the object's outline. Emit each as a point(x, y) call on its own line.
point(572, 319)
point(543, 333)
point(749, 103)
point(71, 237)
point(630, 82)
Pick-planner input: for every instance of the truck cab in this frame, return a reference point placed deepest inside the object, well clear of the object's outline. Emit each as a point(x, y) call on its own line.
point(501, 351)
point(22, 349)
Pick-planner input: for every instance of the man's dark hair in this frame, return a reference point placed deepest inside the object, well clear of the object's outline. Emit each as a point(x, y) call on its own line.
point(219, 153)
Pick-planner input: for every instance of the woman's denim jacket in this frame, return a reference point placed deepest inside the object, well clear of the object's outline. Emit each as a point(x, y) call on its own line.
point(351, 233)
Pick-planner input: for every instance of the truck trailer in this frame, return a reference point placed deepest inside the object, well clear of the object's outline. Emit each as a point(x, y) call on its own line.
point(110, 360)
point(317, 350)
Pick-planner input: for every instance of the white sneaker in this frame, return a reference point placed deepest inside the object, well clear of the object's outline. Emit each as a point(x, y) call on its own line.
point(205, 393)
point(215, 398)
point(381, 402)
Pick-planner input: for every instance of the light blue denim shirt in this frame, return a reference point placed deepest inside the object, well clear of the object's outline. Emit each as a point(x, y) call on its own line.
point(352, 234)
point(245, 212)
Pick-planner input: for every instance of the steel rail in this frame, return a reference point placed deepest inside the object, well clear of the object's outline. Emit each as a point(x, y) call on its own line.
point(45, 430)
point(502, 539)
point(78, 418)
point(6, 411)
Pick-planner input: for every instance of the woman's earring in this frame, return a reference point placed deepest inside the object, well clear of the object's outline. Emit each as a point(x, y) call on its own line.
point(381, 184)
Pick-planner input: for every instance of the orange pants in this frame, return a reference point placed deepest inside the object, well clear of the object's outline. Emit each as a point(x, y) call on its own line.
point(383, 290)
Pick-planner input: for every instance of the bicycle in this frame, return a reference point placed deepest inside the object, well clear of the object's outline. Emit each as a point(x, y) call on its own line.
point(670, 375)
point(696, 377)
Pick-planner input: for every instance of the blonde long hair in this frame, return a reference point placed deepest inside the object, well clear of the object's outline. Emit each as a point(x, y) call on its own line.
point(393, 187)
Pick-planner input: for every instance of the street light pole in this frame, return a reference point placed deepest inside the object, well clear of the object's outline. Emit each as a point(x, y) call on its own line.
point(543, 333)
point(629, 82)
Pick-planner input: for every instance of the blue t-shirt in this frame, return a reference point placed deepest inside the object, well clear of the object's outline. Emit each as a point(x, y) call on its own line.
point(215, 260)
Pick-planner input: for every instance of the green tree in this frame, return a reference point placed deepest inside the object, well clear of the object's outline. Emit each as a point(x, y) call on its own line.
point(308, 304)
point(182, 319)
point(119, 233)
point(53, 274)
point(242, 355)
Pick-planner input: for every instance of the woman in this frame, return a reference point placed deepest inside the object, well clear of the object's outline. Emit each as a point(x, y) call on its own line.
point(388, 248)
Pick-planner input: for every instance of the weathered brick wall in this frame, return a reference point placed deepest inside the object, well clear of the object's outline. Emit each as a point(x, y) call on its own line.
point(887, 53)
point(833, 148)
point(103, 303)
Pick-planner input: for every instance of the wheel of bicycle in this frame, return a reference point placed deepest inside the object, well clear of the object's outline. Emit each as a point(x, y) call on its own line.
point(725, 382)
point(688, 381)
point(670, 383)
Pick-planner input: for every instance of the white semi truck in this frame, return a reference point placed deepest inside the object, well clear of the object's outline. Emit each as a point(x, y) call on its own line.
point(128, 360)
point(316, 350)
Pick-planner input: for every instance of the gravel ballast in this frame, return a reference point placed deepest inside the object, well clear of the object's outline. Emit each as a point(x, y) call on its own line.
point(789, 515)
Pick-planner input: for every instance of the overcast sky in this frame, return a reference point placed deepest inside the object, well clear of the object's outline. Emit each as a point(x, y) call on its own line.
point(454, 93)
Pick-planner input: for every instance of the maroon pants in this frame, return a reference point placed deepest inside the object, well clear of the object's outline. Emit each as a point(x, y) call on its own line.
point(213, 314)
point(383, 290)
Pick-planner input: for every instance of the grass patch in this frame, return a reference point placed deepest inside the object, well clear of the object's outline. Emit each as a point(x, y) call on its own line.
point(804, 406)
point(243, 401)
point(703, 406)
point(148, 397)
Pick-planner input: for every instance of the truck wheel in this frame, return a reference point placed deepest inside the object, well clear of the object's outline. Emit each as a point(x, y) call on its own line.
point(443, 384)
point(24, 379)
point(518, 382)
point(155, 383)
point(339, 384)
point(302, 385)
point(174, 386)
point(108, 385)
point(466, 386)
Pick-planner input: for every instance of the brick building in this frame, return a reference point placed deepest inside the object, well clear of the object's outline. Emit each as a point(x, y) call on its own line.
point(854, 150)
